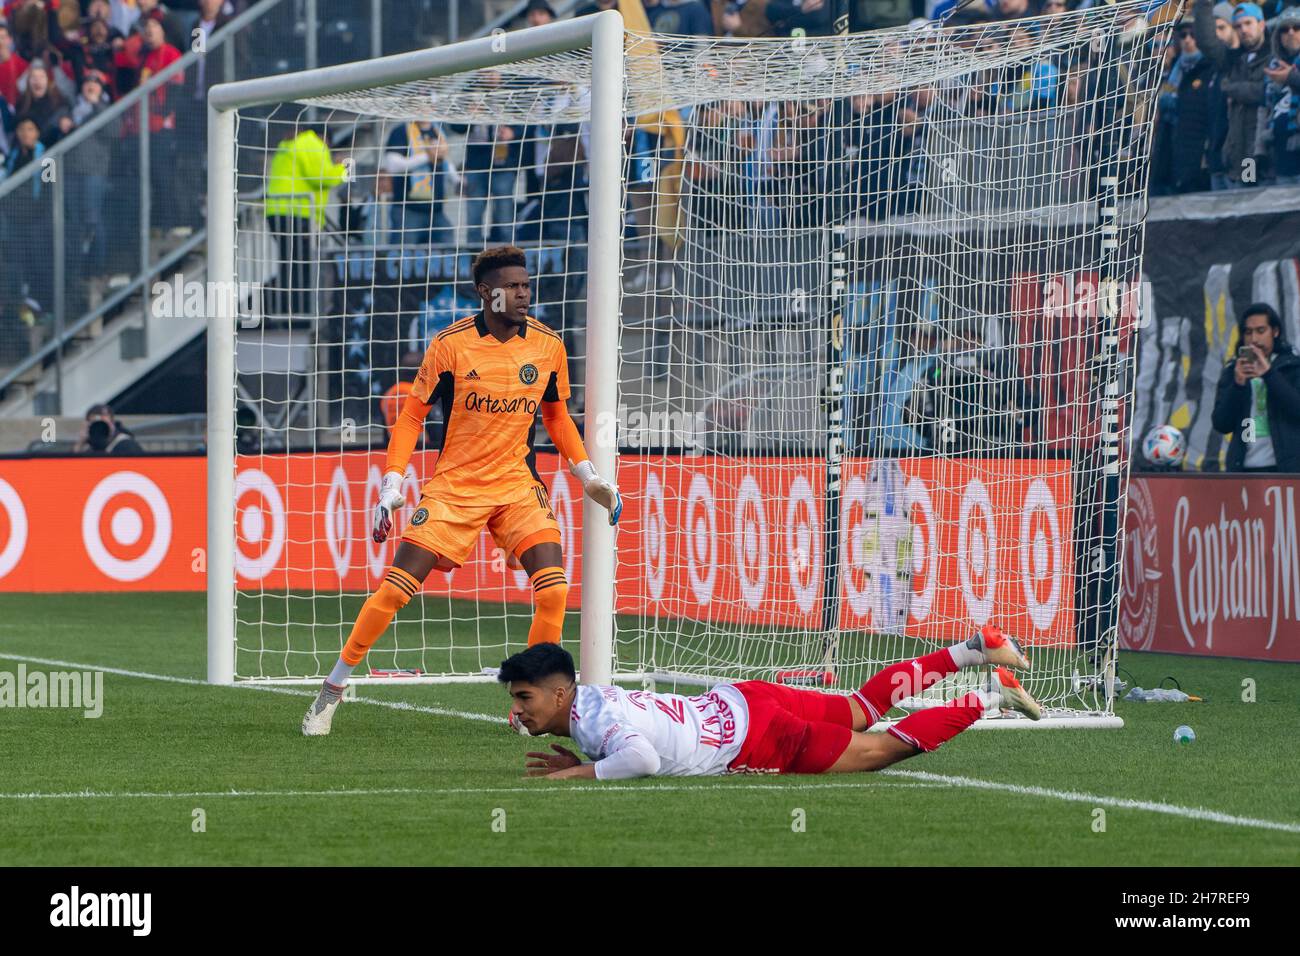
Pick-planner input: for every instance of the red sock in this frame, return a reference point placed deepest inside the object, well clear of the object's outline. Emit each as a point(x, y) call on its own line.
point(902, 680)
point(927, 729)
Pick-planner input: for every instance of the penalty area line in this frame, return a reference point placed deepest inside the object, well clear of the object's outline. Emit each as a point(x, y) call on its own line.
point(540, 787)
point(1117, 803)
point(268, 689)
point(918, 776)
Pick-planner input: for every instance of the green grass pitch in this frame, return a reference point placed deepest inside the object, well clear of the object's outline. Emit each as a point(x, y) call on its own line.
point(432, 785)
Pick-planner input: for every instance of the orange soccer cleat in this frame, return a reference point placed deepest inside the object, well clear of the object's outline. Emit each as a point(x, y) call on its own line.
point(1000, 650)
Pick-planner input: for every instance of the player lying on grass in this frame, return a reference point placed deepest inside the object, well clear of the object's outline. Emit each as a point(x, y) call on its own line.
point(491, 372)
point(752, 726)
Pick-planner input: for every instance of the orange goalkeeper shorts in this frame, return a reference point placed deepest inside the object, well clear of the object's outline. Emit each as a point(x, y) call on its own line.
point(451, 529)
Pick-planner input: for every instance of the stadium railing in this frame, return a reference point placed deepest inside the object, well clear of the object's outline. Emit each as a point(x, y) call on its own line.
point(61, 279)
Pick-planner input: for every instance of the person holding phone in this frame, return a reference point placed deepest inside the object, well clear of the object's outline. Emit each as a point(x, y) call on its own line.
point(1258, 398)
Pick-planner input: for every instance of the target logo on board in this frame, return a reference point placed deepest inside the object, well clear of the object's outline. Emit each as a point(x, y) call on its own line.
point(750, 536)
point(654, 537)
point(977, 551)
point(338, 522)
point(803, 552)
point(260, 520)
point(13, 528)
point(1040, 555)
point(701, 526)
point(925, 549)
point(126, 526)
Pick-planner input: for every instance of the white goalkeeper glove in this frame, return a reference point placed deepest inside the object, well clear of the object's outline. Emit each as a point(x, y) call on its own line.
point(390, 499)
point(598, 489)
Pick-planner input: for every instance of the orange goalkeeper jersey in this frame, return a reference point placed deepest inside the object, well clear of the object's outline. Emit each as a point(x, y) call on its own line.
point(490, 392)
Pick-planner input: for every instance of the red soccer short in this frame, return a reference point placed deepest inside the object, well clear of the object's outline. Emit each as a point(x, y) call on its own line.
point(792, 730)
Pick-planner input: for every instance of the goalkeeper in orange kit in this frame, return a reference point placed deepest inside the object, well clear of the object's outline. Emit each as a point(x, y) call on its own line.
point(491, 372)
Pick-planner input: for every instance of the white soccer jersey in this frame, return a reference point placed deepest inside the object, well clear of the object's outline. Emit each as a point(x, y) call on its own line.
point(638, 733)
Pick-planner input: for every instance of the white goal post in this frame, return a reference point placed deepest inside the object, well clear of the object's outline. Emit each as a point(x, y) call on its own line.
point(602, 35)
point(848, 317)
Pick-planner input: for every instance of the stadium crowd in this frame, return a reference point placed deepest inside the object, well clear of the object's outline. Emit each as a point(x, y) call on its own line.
point(1226, 119)
point(1227, 115)
point(62, 64)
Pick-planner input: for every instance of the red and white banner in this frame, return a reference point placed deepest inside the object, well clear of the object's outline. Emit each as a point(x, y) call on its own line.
point(103, 524)
point(301, 522)
point(1212, 566)
point(930, 547)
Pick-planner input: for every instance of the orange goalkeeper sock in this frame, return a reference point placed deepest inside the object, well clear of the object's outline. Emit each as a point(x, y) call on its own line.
point(377, 613)
point(550, 594)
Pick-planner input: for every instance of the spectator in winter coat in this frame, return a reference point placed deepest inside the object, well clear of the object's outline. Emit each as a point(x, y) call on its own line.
point(27, 148)
point(35, 24)
point(1282, 97)
point(1242, 81)
point(89, 164)
point(98, 51)
point(151, 56)
point(12, 66)
point(43, 103)
point(1218, 106)
point(680, 18)
point(539, 13)
point(812, 17)
point(1192, 78)
point(488, 178)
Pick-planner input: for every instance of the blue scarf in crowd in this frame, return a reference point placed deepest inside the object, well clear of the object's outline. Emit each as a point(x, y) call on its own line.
point(1283, 105)
point(1183, 63)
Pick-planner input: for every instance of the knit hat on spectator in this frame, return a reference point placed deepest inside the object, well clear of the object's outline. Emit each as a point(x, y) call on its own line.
point(1245, 10)
point(1223, 11)
point(540, 5)
point(94, 75)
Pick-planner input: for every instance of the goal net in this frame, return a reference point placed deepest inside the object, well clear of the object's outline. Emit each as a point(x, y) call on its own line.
point(851, 313)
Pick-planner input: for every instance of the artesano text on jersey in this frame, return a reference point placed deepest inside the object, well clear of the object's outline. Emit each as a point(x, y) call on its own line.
point(490, 392)
point(692, 736)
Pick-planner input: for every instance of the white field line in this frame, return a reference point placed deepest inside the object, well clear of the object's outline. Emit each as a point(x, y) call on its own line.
point(539, 786)
point(1068, 796)
point(1096, 800)
point(269, 689)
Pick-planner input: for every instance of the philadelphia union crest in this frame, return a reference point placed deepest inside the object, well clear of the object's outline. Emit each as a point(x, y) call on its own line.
point(528, 374)
point(420, 517)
